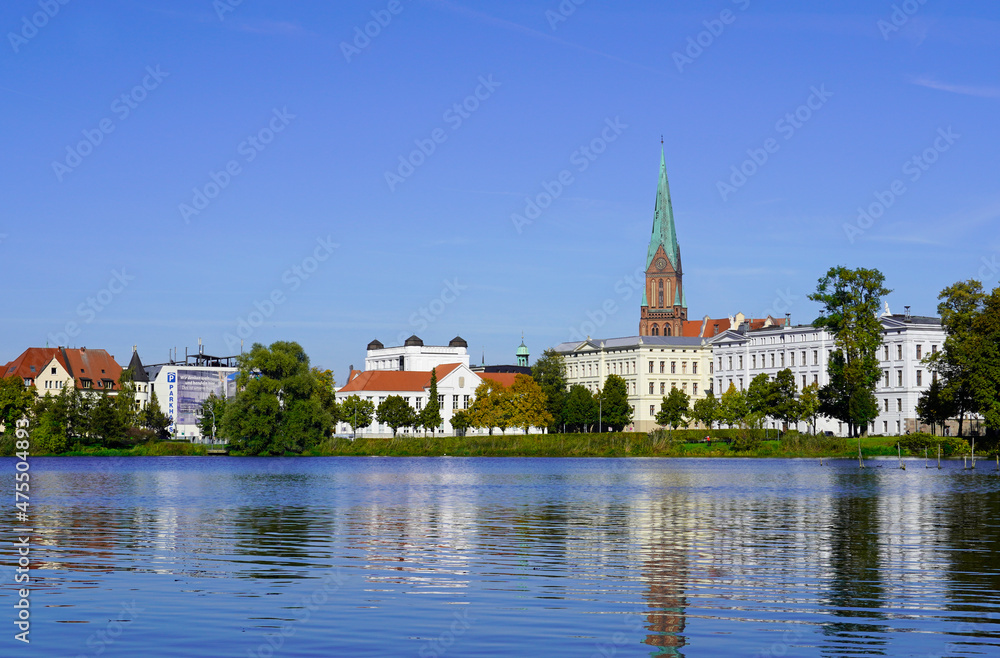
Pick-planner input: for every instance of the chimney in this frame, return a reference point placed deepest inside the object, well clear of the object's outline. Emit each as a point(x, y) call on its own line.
point(906, 316)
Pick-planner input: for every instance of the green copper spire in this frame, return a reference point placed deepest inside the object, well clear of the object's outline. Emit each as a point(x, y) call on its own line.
point(663, 221)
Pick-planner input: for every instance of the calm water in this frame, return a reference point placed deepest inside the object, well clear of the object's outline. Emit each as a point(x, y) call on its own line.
point(514, 557)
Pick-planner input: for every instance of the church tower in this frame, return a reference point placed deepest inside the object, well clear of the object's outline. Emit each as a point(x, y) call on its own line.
point(664, 305)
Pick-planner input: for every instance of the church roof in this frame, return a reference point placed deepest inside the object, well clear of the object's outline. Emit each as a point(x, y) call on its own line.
point(664, 231)
point(138, 371)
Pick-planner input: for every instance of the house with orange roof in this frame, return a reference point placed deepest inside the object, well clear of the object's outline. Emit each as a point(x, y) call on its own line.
point(50, 369)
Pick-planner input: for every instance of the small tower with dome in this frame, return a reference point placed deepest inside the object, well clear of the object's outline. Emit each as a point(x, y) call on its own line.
point(522, 354)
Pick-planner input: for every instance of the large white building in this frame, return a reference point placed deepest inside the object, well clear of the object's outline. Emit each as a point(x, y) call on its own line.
point(650, 366)
point(406, 371)
point(182, 386)
point(740, 355)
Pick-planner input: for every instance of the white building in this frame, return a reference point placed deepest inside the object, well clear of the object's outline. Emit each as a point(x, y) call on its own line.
point(406, 371)
point(650, 366)
point(742, 354)
point(182, 386)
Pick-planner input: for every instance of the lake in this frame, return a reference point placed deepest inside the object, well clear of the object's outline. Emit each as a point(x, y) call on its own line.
point(226, 556)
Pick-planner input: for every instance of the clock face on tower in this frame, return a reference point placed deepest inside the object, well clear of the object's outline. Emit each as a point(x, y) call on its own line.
point(661, 263)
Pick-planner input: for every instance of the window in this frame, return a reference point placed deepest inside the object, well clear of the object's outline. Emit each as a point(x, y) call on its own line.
point(663, 388)
point(651, 412)
point(420, 403)
point(27, 381)
point(899, 378)
point(899, 352)
point(753, 361)
point(407, 401)
point(886, 404)
point(720, 363)
point(885, 427)
point(694, 368)
point(711, 367)
point(694, 388)
point(454, 402)
point(441, 402)
point(897, 427)
point(650, 388)
point(803, 381)
point(663, 367)
point(684, 387)
point(53, 371)
point(920, 378)
point(933, 350)
point(741, 383)
point(815, 379)
point(650, 366)
point(741, 362)
point(684, 367)
point(803, 357)
point(886, 356)
point(919, 350)
point(772, 359)
point(815, 357)
point(885, 381)
point(899, 404)
point(465, 402)
point(673, 367)
point(791, 355)
point(730, 363)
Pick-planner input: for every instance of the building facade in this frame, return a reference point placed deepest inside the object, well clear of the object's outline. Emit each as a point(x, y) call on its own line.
point(742, 354)
point(50, 369)
point(650, 366)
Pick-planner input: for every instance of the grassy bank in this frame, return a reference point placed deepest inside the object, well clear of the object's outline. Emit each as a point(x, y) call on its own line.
point(151, 449)
point(626, 445)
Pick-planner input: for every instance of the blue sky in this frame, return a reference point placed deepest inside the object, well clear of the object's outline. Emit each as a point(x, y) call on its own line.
point(282, 130)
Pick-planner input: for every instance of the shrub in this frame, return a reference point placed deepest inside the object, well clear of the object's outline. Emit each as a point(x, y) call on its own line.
point(950, 445)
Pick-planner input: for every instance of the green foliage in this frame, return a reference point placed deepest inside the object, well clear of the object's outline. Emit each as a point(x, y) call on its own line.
point(818, 444)
point(460, 422)
point(706, 410)
point(430, 415)
point(935, 406)
point(152, 418)
point(784, 404)
point(673, 409)
point(809, 405)
point(280, 406)
point(616, 412)
point(733, 408)
point(105, 421)
point(961, 305)
point(580, 409)
point(357, 412)
point(549, 372)
point(213, 410)
point(325, 394)
point(15, 400)
point(395, 412)
point(984, 361)
point(760, 395)
point(950, 445)
point(852, 300)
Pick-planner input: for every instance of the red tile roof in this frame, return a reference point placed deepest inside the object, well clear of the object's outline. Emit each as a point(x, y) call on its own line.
point(81, 363)
point(29, 365)
point(394, 380)
point(706, 328)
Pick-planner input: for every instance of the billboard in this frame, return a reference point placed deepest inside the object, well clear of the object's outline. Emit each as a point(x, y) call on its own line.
point(194, 387)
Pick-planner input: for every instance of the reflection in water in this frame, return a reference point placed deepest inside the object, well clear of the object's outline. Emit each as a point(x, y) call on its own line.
point(516, 557)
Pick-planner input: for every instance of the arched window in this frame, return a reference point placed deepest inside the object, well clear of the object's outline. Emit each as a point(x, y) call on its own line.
point(666, 330)
point(656, 331)
point(660, 297)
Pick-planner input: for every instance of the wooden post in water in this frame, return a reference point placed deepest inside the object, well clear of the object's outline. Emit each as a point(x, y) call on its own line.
point(973, 452)
point(926, 465)
point(939, 456)
point(899, 453)
point(861, 462)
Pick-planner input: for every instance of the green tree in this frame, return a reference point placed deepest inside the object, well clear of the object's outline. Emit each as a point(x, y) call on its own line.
point(852, 300)
point(673, 409)
point(152, 417)
point(357, 412)
point(126, 406)
point(784, 404)
point(615, 411)
point(460, 422)
point(15, 401)
point(277, 408)
point(430, 415)
point(213, 410)
point(706, 410)
point(529, 404)
point(105, 421)
point(549, 372)
point(985, 362)
point(760, 395)
point(326, 394)
point(733, 407)
point(934, 407)
point(809, 405)
point(961, 303)
point(395, 412)
point(580, 409)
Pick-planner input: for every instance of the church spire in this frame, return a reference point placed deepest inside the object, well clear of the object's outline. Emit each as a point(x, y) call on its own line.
point(664, 231)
